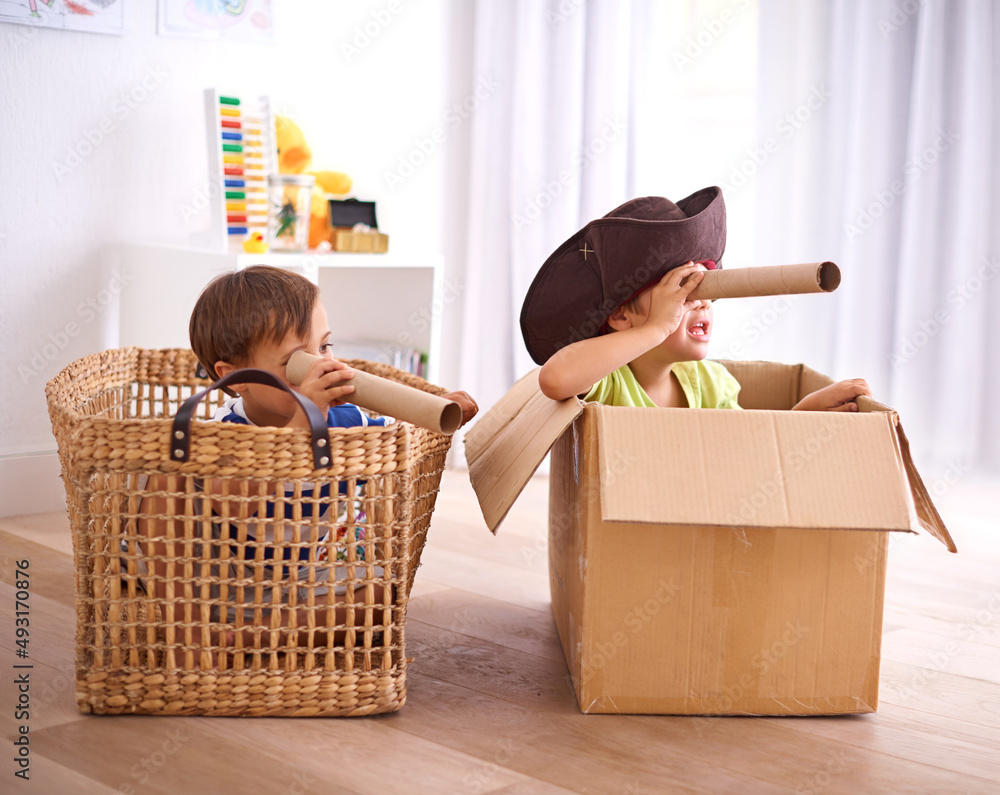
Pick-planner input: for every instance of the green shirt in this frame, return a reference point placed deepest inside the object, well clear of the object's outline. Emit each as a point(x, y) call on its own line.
point(706, 385)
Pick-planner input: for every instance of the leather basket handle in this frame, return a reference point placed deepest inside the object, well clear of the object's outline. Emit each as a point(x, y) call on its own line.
point(180, 433)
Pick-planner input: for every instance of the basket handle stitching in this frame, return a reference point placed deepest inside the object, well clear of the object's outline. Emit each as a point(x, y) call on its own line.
point(180, 432)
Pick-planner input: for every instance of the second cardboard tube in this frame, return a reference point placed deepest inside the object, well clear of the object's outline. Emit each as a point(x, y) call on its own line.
point(390, 398)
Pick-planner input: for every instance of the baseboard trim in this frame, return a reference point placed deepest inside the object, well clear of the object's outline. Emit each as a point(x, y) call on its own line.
point(30, 484)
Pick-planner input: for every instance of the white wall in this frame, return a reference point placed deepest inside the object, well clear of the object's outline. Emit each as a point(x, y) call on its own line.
point(103, 139)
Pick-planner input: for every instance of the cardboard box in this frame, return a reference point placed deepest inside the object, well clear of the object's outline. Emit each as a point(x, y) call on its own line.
point(713, 562)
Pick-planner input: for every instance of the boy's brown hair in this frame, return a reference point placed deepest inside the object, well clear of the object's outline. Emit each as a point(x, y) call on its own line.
point(238, 311)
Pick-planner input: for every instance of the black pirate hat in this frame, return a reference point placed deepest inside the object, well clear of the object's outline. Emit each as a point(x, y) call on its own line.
point(611, 259)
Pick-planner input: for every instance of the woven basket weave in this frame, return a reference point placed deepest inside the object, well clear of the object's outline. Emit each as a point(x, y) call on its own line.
point(232, 634)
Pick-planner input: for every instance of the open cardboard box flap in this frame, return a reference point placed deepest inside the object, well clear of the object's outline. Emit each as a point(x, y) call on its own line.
point(748, 469)
point(927, 513)
point(507, 445)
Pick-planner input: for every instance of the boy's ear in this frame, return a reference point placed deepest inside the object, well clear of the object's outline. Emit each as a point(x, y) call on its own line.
point(619, 321)
point(222, 369)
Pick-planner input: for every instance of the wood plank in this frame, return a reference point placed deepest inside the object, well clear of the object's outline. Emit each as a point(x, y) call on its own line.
point(424, 585)
point(763, 746)
point(942, 654)
point(494, 620)
point(49, 572)
point(47, 776)
point(51, 693)
point(583, 753)
point(940, 694)
point(953, 595)
point(170, 755)
point(344, 756)
point(437, 767)
point(49, 530)
point(52, 629)
point(981, 626)
point(492, 580)
point(526, 550)
point(951, 744)
point(528, 787)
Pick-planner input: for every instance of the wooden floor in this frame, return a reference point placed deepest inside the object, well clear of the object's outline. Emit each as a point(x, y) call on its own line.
point(490, 708)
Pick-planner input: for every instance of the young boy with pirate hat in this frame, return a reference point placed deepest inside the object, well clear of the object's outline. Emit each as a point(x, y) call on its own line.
point(608, 315)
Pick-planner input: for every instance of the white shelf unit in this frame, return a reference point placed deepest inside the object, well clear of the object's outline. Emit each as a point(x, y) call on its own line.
point(389, 298)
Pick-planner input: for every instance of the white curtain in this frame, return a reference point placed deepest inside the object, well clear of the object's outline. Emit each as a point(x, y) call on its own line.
point(549, 154)
point(861, 132)
point(894, 177)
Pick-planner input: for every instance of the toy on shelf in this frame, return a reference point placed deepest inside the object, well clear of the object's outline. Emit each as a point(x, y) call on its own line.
point(359, 238)
point(256, 243)
point(353, 227)
point(295, 157)
point(290, 199)
point(241, 153)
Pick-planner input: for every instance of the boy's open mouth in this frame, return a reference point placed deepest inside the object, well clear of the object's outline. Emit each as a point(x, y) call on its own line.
point(700, 330)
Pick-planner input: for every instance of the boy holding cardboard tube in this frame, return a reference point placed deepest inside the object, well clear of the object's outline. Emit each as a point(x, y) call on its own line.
point(259, 317)
point(610, 318)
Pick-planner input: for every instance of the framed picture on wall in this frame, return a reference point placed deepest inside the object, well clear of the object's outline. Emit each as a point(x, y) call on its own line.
point(233, 20)
point(89, 16)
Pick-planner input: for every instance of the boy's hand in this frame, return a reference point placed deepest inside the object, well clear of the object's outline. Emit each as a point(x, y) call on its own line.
point(668, 299)
point(327, 383)
point(836, 397)
point(469, 407)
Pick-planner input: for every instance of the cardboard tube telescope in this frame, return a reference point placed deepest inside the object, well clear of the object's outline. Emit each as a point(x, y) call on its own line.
point(812, 277)
point(390, 397)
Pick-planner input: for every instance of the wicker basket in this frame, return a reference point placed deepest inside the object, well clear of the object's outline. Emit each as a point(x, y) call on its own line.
point(230, 633)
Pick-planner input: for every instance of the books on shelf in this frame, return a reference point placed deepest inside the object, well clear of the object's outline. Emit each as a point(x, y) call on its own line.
point(402, 357)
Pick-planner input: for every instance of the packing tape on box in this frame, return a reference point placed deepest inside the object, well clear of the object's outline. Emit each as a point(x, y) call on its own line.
point(389, 397)
point(812, 277)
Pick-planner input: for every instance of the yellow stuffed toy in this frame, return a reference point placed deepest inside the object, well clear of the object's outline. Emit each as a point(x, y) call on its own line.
point(295, 157)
